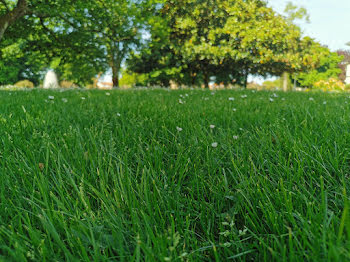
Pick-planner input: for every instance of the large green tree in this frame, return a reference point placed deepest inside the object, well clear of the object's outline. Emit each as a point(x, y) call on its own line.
point(225, 39)
point(80, 38)
point(326, 66)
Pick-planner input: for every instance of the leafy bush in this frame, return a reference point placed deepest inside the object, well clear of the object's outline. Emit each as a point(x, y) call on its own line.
point(330, 85)
point(24, 84)
point(67, 84)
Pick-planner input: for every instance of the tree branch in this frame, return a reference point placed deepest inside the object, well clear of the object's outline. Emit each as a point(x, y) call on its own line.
point(12, 16)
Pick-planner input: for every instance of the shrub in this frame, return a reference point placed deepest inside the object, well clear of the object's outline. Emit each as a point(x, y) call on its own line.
point(24, 84)
point(330, 85)
point(67, 84)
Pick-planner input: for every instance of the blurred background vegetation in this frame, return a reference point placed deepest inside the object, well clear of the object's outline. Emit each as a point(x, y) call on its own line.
point(163, 43)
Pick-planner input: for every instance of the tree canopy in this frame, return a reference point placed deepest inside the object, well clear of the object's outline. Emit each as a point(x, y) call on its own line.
point(190, 42)
point(193, 41)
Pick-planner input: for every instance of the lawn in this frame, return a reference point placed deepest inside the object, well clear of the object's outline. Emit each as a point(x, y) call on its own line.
point(188, 175)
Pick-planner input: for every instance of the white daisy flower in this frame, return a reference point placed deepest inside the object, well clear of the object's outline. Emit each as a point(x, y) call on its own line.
point(235, 137)
point(234, 109)
point(274, 95)
point(181, 102)
point(324, 102)
point(179, 129)
point(51, 97)
point(215, 144)
point(212, 126)
point(311, 99)
point(64, 100)
point(271, 99)
point(118, 114)
point(108, 94)
point(82, 98)
point(231, 98)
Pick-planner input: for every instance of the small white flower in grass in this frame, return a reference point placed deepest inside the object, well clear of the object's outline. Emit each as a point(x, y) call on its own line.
point(235, 137)
point(206, 98)
point(274, 95)
point(324, 102)
point(186, 95)
point(82, 98)
point(311, 99)
point(271, 99)
point(231, 98)
point(244, 96)
point(181, 96)
point(240, 129)
point(51, 97)
point(215, 144)
point(212, 93)
point(283, 99)
point(64, 100)
point(118, 114)
point(179, 129)
point(234, 109)
point(212, 126)
point(181, 102)
point(108, 94)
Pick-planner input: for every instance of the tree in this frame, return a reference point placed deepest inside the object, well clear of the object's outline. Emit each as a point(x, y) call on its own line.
point(10, 13)
point(326, 66)
point(112, 27)
point(225, 39)
point(81, 38)
point(16, 63)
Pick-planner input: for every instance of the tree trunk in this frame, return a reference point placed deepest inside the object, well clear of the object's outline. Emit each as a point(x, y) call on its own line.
point(115, 73)
point(285, 81)
point(10, 17)
point(245, 83)
point(206, 79)
point(115, 78)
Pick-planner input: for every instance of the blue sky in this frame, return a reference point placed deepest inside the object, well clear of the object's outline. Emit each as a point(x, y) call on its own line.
point(329, 20)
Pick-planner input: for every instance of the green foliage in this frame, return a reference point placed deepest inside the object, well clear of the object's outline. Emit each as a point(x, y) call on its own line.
point(294, 13)
point(226, 40)
point(131, 79)
point(326, 68)
point(18, 63)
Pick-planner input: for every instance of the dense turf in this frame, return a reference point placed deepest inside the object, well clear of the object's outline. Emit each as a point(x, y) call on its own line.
point(113, 177)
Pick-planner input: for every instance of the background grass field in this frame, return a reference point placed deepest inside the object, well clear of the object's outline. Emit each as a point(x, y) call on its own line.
point(91, 175)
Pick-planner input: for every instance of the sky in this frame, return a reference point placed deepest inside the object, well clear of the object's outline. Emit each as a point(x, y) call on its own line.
point(329, 20)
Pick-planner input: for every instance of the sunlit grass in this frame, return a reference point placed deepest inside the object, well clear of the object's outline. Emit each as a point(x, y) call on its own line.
point(174, 176)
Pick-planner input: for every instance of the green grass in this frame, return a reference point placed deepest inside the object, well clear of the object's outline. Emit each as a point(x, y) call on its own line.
point(110, 178)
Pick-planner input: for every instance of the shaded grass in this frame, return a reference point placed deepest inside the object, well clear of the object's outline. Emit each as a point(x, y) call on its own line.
point(111, 178)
